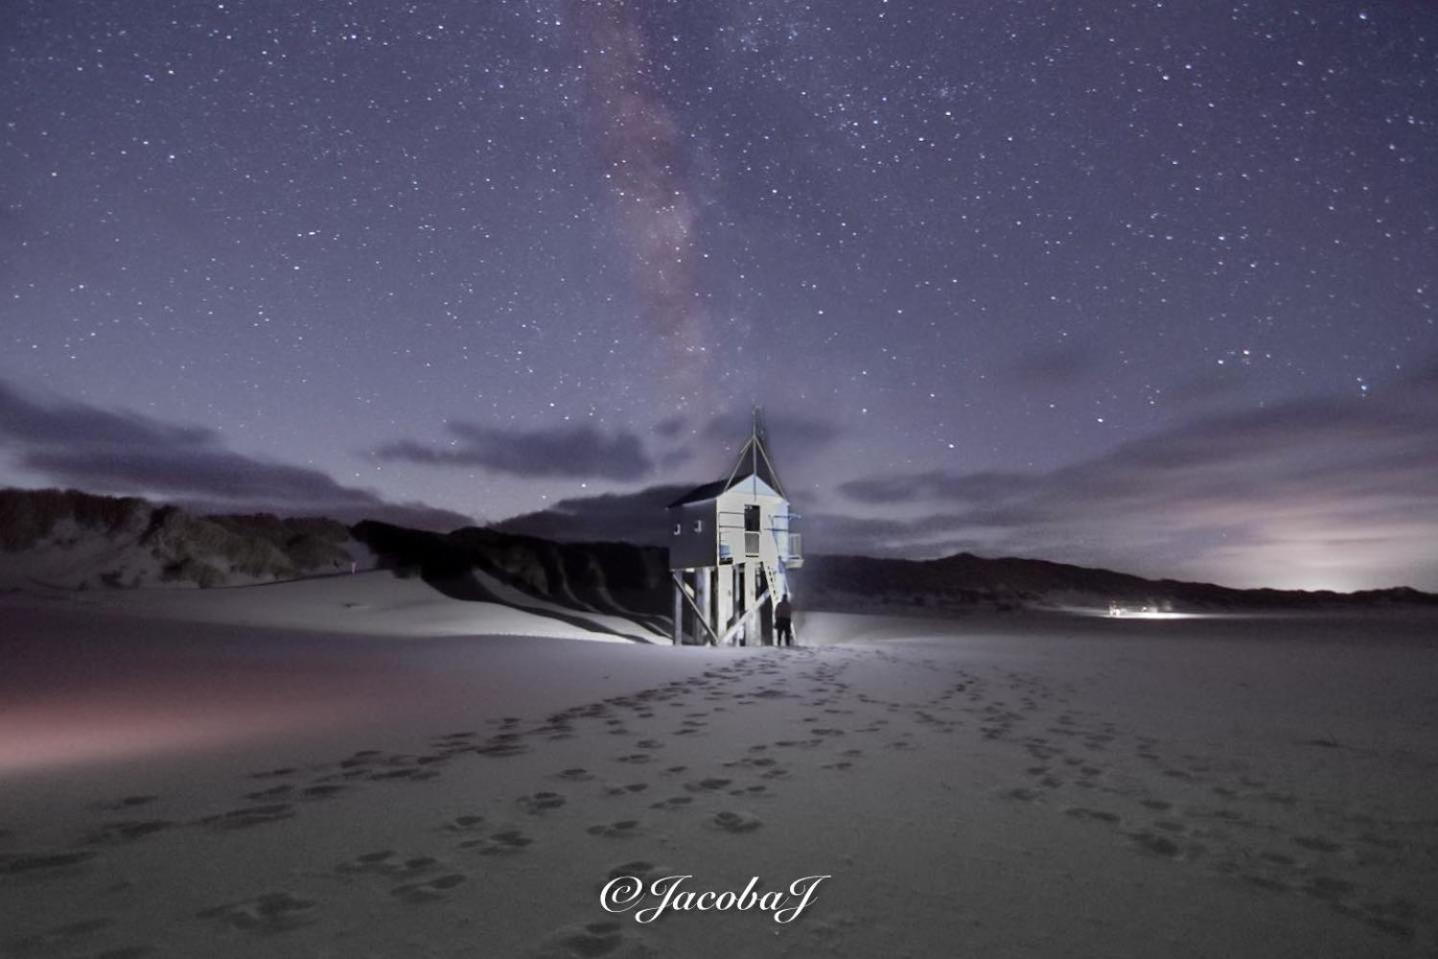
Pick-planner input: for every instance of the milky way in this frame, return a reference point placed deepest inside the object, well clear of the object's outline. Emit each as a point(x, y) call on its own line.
point(1151, 285)
point(641, 145)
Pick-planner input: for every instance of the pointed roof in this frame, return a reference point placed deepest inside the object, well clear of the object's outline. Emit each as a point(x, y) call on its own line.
point(753, 461)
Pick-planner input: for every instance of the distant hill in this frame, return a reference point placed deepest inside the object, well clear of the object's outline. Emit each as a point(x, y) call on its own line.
point(966, 581)
point(66, 539)
point(72, 540)
point(961, 581)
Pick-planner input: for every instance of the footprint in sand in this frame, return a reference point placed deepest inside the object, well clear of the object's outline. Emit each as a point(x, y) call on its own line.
point(674, 802)
point(498, 747)
point(125, 831)
point(1092, 815)
point(576, 775)
point(128, 802)
point(627, 790)
point(430, 891)
point(1165, 847)
point(271, 912)
point(737, 822)
point(410, 775)
point(504, 843)
point(465, 823)
point(634, 759)
point(369, 862)
point(248, 817)
point(757, 790)
point(540, 802)
point(274, 792)
point(387, 863)
point(364, 757)
point(615, 830)
point(42, 865)
point(707, 785)
point(326, 791)
point(641, 869)
point(601, 938)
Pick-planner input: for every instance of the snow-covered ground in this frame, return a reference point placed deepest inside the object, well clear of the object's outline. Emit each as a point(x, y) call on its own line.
point(357, 766)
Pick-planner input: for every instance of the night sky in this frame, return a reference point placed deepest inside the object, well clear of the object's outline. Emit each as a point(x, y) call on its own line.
point(1144, 285)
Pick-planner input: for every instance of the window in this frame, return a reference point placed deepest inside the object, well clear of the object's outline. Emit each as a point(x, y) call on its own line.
point(698, 526)
point(678, 528)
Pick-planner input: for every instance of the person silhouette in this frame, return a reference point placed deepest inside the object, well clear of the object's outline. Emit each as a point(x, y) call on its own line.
point(784, 621)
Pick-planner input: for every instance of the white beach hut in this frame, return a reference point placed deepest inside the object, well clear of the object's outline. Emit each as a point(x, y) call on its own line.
point(731, 550)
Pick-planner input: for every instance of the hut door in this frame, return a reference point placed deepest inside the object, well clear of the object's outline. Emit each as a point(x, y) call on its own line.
point(751, 530)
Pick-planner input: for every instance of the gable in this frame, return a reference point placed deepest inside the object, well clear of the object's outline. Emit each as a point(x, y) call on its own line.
point(750, 485)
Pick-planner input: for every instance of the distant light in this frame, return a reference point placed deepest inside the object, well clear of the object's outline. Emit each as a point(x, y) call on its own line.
point(1148, 614)
point(1145, 612)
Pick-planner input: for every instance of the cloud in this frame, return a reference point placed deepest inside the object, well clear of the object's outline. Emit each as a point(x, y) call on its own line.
point(567, 451)
point(637, 517)
point(670, 427)
point(1332, 493)
point(1329, 492)
point(109, 451)
point(640, 517)
point(934, 485)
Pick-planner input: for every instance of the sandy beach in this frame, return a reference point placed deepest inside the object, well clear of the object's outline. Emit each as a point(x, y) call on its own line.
point(282, 774)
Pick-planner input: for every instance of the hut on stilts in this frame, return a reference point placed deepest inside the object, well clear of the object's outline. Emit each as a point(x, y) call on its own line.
point(731, 552)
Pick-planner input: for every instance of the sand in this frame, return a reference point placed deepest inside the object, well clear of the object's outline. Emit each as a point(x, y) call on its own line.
point(364, 781)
